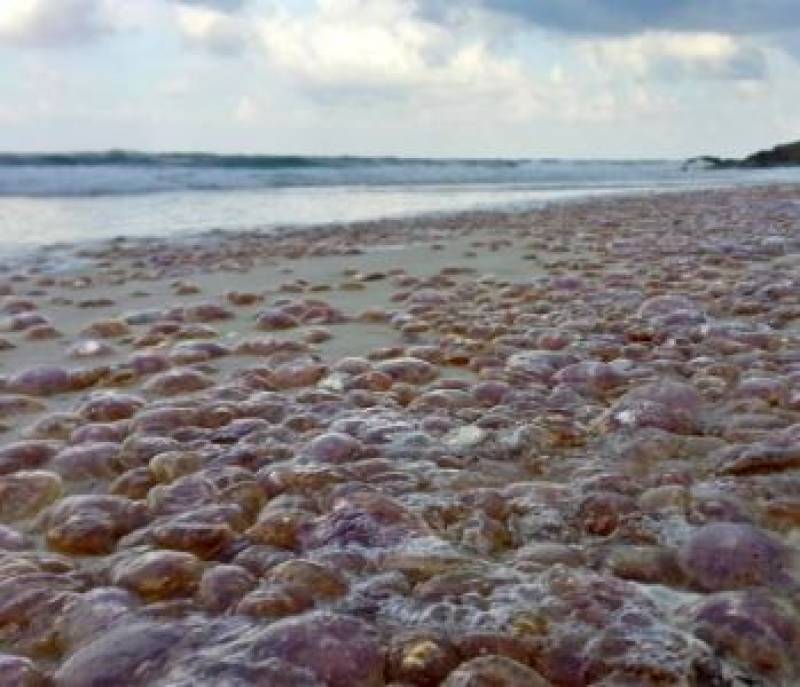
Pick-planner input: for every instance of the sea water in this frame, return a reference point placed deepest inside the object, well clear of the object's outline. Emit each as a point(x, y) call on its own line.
point(54, 198)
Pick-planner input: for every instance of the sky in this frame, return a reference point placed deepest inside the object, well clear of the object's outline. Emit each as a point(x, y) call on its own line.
point(477, 78)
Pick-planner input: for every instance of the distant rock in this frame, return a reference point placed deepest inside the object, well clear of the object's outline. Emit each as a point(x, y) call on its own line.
point(784, 155)
point(708, 162)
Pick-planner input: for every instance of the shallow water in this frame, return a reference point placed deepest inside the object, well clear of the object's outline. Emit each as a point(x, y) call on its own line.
point(45, 203)
point(49, 220)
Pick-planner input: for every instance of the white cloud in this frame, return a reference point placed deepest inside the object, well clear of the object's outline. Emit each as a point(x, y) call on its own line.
point(9, 115)
point(211, 29)
point(752, 90)
point(246, 111)
point(666, 55)
point(350, 42)
point(50, 23)
point(384, 48)
point(223, 5)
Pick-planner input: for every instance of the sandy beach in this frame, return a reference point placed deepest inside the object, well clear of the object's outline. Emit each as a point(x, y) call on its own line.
point(558, 446)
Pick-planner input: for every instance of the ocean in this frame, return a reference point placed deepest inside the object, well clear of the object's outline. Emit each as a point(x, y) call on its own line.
point(52, 198)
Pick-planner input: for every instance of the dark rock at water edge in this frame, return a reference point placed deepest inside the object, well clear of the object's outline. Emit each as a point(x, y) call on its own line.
point(785, 155)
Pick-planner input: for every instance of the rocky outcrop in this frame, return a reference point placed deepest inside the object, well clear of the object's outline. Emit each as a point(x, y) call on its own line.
point(787, 154)
point(784, 155)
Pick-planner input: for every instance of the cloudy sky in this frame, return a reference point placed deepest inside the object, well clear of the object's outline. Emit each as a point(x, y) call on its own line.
point(587, 78)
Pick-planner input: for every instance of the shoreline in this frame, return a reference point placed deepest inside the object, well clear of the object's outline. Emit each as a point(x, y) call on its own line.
point(22, 254)
point(535, 440)
point(194, 213)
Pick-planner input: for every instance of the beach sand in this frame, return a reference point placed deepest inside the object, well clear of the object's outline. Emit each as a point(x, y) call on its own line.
point(556, 446)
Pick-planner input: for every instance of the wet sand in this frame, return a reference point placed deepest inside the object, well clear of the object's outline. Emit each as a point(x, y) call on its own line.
point(552, 447)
